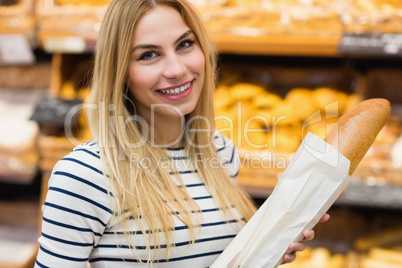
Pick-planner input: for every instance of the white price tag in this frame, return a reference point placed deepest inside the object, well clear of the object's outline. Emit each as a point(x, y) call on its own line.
point(70, 44)
point(372, 44)
point(15, 49)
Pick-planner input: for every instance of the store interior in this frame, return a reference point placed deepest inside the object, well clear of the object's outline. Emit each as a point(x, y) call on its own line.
point(275, 58)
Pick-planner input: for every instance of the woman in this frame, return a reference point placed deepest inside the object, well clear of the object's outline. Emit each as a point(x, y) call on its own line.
point(157, 185)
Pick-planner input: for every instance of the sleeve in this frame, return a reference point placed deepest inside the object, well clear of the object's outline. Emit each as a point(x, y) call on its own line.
point(75, 213)
point(228, 155)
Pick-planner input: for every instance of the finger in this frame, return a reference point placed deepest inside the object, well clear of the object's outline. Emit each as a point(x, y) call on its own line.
point(296, 246)
point(289, 257)
point(324, 218)
point(308, 235)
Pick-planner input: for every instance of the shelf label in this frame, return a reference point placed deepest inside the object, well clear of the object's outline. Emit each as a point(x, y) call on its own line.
point(15, 49)
point(371, 44)
point(64, 44)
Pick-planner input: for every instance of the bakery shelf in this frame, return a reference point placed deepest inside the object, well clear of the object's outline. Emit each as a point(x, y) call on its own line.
point(70, 41)
point(67, 42)
point(286, 45)
point(18, 234)
point(74, 29)
point(374, 195)
point(366, 193)
point(376, 183)
point(19, 208)
point(17, 18)
point(68, 27)
point(17, 31)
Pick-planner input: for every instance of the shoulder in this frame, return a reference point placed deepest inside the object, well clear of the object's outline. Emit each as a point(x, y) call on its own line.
point(79, 169)
point(85, 157)
point(87, 150)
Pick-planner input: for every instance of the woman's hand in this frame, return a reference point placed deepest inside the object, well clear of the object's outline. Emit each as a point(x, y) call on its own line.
point(299, 246)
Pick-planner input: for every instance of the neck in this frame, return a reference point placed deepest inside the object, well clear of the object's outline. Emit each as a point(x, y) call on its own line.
point(168, 132)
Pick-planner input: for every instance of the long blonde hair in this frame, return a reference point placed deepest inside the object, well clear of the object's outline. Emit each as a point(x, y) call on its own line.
point(148, 194)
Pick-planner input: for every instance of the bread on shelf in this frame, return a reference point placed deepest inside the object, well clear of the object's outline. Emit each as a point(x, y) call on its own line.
point(17, 17)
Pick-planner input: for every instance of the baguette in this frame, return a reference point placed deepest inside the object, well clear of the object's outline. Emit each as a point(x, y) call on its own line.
point(357, 129)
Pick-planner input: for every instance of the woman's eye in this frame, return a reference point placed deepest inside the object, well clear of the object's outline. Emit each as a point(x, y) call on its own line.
point(149, 55)
point(185, 44)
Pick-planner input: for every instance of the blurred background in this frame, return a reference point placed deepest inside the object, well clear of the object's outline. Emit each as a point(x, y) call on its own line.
point(285, 67)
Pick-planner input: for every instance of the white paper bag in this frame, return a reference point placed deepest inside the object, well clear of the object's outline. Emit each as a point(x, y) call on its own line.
point(313, 180)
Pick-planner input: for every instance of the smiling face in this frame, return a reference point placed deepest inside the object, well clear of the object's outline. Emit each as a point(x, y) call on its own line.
point(167, 66)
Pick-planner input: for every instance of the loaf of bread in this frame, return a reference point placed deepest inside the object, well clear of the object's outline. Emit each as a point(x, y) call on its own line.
point(357, 129)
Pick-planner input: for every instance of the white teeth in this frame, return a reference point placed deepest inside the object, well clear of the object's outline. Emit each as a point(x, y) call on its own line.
point(176, 90)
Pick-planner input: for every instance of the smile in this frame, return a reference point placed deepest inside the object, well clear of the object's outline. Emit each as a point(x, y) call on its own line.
point(177, 90)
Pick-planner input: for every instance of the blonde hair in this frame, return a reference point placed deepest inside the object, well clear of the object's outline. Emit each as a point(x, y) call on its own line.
point(152, 198)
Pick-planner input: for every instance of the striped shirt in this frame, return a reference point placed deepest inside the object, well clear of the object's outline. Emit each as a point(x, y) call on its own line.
point(77, 227)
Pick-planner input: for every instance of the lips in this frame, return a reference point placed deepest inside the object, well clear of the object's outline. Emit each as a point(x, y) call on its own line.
point(177, 92)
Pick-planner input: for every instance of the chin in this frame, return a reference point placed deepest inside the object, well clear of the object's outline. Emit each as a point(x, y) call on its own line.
point(185, 110)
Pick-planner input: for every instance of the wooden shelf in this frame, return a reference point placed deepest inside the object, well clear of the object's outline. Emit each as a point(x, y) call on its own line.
point(358, 193)
point(285, 45)
point(18, 233)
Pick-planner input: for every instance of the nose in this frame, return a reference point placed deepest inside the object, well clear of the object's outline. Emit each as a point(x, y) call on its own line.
point(174, 67)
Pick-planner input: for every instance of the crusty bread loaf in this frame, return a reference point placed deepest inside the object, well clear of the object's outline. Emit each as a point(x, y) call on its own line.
point(357, 129)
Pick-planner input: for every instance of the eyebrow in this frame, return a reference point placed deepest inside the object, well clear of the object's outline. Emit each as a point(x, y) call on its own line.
point(150, 46)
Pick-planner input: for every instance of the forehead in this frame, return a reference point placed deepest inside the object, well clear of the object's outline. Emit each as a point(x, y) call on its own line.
point(159, 24)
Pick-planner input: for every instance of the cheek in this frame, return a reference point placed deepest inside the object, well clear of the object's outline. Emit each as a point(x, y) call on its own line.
point(135, 78)
point(198, 63)
point(140, 79)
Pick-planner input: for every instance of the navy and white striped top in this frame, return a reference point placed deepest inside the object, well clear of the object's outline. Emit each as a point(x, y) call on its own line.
point(77, 228)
